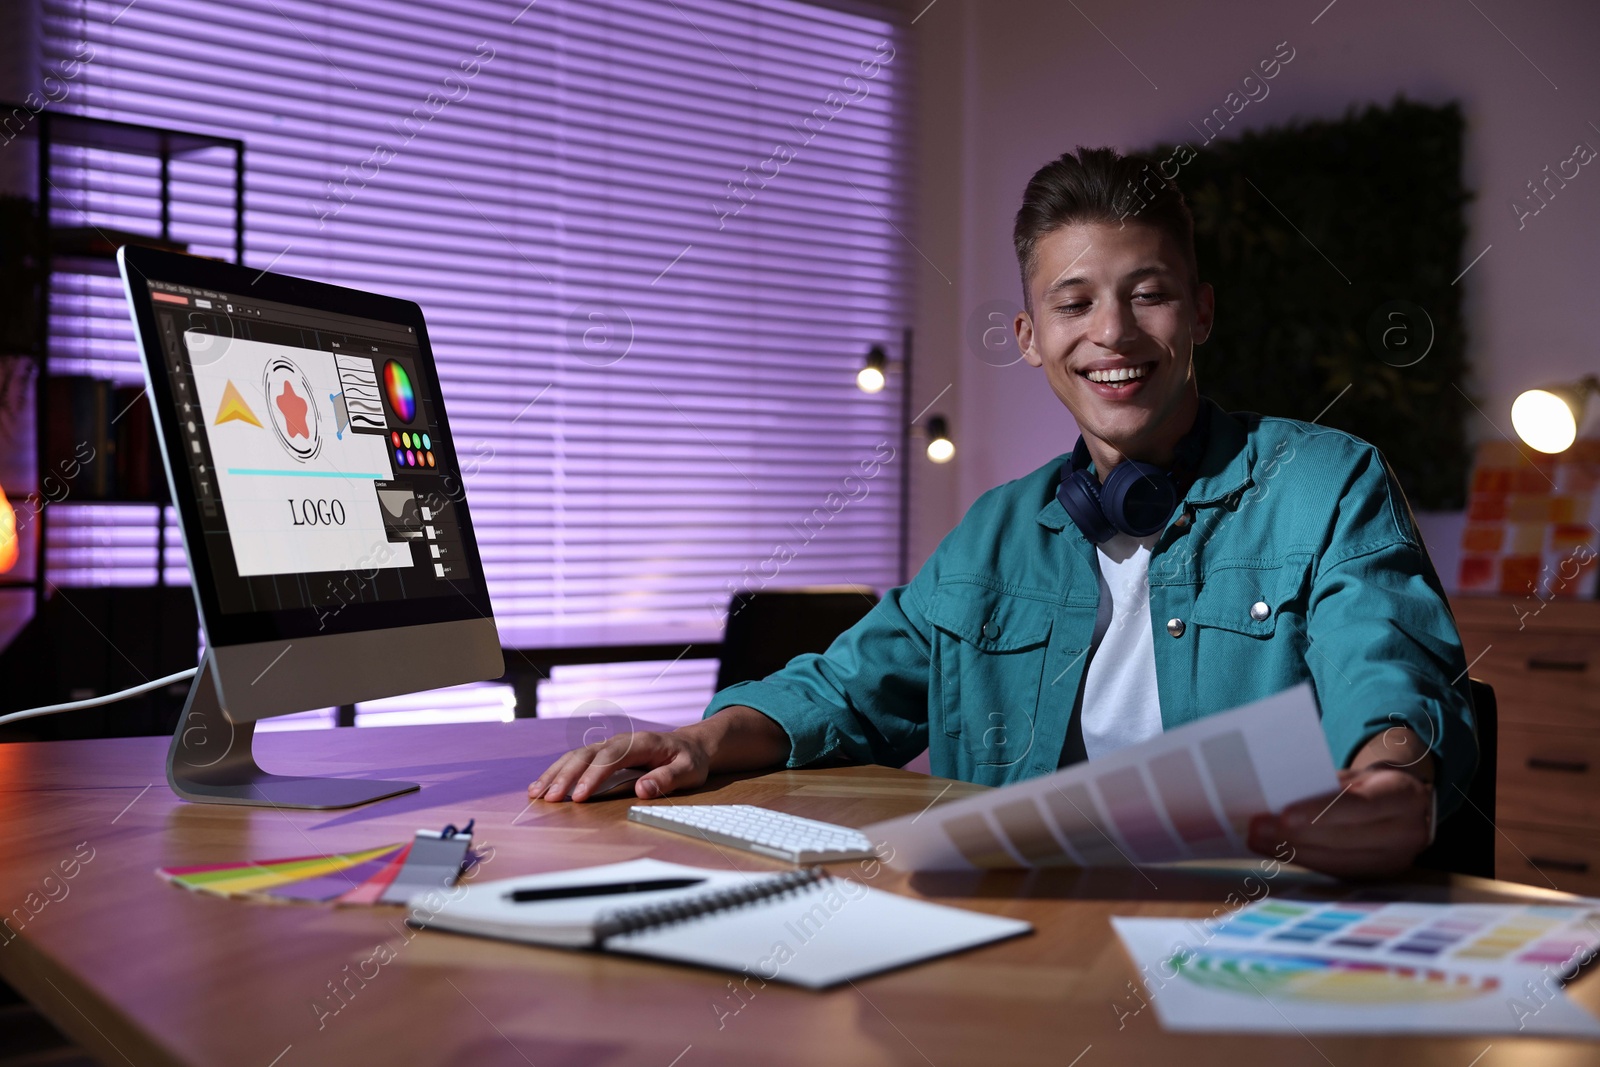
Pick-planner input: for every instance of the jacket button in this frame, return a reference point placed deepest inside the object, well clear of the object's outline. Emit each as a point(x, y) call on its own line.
point(1181, 521)
point(1175, 627)
point(1259, 610)
point(991, 629)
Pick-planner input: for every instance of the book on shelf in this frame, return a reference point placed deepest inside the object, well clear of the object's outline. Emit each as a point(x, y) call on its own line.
point(99, 442)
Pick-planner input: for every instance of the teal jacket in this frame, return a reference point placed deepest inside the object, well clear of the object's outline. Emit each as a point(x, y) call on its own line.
point(1294, 556)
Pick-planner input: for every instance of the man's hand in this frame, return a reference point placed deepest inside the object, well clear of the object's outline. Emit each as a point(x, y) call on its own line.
point(677, 761)
point(736, 738)
point(1374, 826)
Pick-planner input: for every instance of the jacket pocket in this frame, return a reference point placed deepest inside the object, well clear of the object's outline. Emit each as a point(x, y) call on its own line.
point(990, 650)
point(1248, 599)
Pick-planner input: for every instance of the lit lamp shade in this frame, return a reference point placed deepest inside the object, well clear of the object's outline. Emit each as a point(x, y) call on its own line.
point(1548, 419)
point(872, 376)
point(8, 534)
point(940, 448)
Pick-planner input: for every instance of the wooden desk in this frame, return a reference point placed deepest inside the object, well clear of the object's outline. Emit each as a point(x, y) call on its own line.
point(143, 973)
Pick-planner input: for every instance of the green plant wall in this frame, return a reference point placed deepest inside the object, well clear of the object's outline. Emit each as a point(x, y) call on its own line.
point(1333, 246)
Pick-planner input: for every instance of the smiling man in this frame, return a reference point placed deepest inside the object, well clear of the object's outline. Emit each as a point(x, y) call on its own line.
point(1179, 561)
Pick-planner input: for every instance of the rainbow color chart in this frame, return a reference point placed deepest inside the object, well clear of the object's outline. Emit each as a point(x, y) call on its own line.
point(1284, 967)
point(1531, 935)
point(1326, 979)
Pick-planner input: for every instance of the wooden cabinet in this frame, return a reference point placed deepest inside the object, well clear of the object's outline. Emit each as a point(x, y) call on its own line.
point(1543, 660)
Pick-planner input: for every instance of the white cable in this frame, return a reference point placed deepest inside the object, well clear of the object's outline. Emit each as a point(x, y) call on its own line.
point(109, 698)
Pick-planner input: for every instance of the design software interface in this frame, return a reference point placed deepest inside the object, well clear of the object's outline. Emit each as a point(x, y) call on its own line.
point(314, 448)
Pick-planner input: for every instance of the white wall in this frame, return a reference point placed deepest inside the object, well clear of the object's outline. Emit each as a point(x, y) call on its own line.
point(1006, 85)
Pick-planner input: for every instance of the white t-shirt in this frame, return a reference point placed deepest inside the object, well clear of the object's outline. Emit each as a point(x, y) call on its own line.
point(1120, 702)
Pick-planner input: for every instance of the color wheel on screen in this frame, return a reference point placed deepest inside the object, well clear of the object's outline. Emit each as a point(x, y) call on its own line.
point(398, 391)
point(1325, 979)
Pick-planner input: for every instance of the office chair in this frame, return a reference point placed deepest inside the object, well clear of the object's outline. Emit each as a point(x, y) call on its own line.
point(1464, 842)
point(767, 629)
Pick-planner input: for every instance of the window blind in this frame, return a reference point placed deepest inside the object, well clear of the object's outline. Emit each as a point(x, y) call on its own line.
point(653, 240)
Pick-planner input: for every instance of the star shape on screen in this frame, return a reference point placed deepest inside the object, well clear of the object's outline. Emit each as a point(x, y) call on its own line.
point(294, 412)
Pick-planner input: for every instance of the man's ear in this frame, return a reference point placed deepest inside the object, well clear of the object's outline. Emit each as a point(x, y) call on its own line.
point(1205, 312)
point(1023, 325)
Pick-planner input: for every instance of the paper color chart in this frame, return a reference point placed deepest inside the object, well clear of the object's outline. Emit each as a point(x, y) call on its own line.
point(1256, 981)
point(1186, 794)
point(1533, 935)
point(1328, 979)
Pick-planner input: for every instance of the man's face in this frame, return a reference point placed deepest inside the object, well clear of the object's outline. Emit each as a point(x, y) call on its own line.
point(1116, 316)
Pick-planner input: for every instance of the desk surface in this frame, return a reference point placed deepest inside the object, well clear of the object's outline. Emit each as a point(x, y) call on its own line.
point(144, 973)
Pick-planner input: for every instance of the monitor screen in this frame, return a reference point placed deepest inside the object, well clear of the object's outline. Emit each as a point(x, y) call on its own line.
point(310, 454)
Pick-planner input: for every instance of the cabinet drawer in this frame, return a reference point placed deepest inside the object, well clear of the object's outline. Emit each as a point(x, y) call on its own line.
point(1544, 679)
point(1542, 857)
point(1547, 777)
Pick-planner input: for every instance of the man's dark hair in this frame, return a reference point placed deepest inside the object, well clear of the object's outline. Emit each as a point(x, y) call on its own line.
point(1100, 185)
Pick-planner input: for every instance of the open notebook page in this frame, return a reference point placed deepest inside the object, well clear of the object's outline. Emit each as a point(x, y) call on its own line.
point(486, 908)
point(820, 935)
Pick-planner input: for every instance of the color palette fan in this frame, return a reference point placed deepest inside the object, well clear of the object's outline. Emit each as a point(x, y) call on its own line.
point(343, 878)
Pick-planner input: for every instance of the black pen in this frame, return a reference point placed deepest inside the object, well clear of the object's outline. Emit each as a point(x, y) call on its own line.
point(524, 896)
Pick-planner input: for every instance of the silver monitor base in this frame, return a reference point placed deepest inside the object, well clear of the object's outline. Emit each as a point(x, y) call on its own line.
point(210, 762)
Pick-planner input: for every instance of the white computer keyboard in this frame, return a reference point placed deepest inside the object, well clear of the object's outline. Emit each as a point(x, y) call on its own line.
point(771, 833)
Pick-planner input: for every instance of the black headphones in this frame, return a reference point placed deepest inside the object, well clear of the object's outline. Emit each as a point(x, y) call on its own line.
point(1136, 498)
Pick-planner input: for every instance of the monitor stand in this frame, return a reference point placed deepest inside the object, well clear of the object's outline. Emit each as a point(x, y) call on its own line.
point(210, 762)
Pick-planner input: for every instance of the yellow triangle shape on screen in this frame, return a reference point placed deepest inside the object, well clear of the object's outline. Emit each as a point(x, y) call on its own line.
point(233, 408)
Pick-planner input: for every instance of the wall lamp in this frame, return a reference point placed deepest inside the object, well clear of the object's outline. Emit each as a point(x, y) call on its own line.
point(940, 448)
point(1548, 418)
point(873, 377)
point(874, 374)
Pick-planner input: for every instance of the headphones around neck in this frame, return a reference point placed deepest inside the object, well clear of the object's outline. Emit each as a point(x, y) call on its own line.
point(1136, 498)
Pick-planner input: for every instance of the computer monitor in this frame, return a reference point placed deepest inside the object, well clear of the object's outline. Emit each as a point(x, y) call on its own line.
point(323, 511)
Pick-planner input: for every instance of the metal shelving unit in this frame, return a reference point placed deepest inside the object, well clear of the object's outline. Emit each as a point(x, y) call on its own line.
point(91, 250)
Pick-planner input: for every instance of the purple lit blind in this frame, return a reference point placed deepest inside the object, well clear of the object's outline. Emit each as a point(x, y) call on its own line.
point(653, 238)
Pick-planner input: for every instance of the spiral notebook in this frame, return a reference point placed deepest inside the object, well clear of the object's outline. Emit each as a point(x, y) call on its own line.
point(804, 927)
